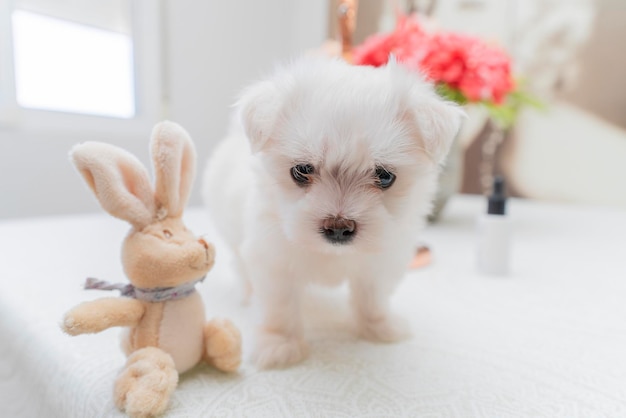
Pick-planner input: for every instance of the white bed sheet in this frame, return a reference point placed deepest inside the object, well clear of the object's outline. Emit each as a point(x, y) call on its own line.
point(549, 341)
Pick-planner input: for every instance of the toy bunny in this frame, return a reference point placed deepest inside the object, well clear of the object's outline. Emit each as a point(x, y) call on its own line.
point(163, 260)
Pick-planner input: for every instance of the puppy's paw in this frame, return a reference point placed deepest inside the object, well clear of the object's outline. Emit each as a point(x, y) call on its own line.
point(279, 350)
point(387, 329)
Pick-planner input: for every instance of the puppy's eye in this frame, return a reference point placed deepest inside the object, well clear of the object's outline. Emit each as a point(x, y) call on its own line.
point(167, 234)
point(301, 174)
point(384, 178)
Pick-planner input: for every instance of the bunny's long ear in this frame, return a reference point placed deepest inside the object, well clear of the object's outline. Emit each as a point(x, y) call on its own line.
point(174, 159)
point(118, 179)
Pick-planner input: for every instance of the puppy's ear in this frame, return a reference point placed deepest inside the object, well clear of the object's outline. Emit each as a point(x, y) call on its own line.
point(437, 121)
point(259, 106)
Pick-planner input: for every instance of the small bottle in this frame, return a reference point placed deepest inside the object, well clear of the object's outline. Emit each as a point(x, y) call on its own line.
point(494, 234)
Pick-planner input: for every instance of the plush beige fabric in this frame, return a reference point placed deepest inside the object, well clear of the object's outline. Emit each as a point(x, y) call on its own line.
point(166, 337)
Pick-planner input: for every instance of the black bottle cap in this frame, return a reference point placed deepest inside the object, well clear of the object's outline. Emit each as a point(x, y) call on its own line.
point(497, 199)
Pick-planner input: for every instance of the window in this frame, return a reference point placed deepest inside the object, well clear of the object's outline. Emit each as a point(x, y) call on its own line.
point(79, 64)
point(64, 66)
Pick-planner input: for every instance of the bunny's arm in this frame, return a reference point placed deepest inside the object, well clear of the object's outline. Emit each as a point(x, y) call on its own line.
point(100, 314)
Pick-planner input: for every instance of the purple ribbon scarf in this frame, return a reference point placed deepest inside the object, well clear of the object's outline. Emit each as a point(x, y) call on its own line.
point(155, 294)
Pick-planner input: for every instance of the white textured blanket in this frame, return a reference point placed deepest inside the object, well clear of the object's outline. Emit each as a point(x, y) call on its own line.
point(550, 341)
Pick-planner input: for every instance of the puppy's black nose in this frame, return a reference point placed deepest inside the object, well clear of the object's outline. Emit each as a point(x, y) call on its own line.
point(339, 230)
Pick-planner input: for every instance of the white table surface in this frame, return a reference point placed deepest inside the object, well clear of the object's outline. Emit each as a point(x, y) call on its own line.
point(549, 341)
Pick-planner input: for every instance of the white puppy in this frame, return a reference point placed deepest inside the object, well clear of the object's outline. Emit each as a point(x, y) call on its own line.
point(330, 179)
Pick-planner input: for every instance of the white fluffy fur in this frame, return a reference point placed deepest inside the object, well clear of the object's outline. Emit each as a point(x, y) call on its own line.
point(344, 120)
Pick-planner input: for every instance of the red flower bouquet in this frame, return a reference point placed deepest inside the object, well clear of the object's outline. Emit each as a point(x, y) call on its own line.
point(465, 69)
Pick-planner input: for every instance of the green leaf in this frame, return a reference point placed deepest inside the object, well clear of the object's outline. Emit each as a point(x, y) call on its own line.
point(503, 114)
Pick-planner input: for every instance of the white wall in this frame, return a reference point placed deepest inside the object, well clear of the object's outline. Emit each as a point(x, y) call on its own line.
point(212, 50)
point(36, 177)
point(215, 48)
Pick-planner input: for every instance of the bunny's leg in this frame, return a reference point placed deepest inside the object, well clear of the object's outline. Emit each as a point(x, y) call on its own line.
point(222, 345)
point(144, 385)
